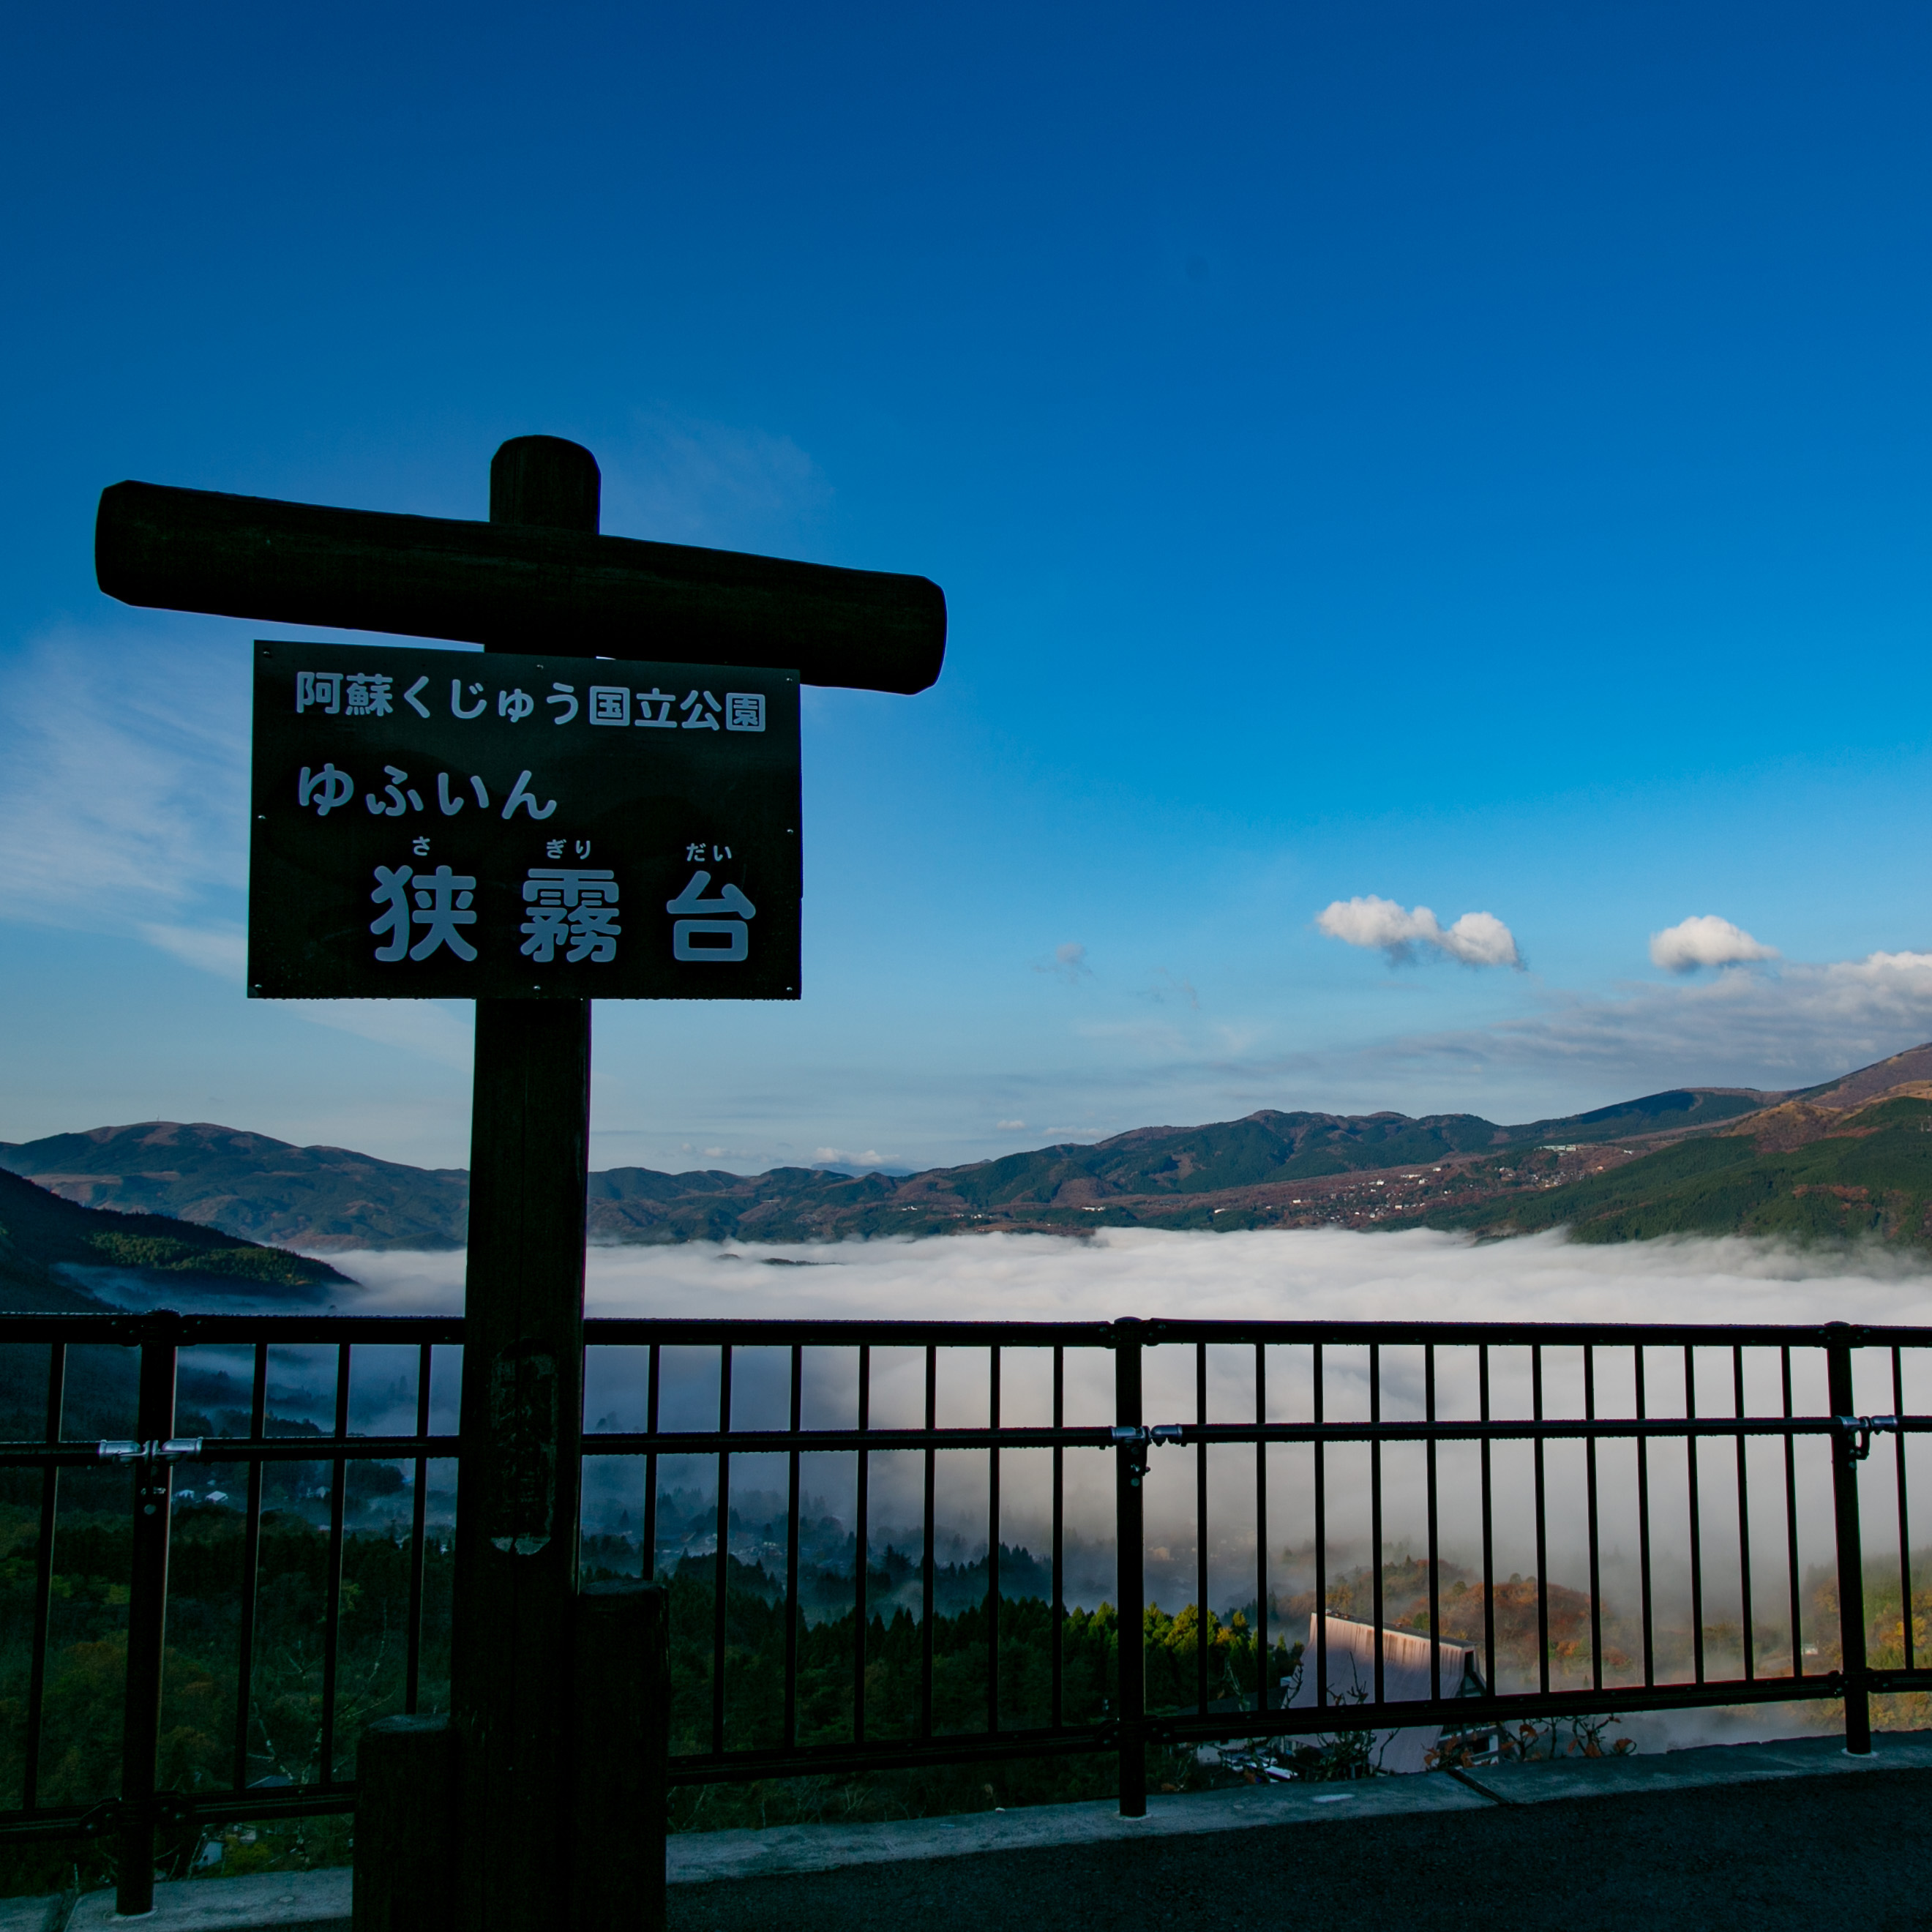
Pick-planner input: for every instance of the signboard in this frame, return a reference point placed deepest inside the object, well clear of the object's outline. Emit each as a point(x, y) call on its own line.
point(437, 824)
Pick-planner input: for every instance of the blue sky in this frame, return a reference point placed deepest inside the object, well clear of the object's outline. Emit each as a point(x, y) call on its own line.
point(1472, 458)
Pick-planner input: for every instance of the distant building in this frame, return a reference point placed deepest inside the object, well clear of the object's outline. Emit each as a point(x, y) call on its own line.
point(1406, 1660)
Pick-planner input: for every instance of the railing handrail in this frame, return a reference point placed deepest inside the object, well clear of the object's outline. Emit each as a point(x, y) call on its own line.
point(191, 1329)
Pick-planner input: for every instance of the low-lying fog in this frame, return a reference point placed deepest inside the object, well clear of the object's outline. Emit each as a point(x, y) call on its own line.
point(1327, 1273)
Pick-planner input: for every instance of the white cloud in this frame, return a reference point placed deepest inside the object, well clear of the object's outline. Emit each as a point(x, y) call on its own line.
point(222, 950)
point(1476, 939)
point(123, 796)
point(1705, 940)
point(827, 1156)
point(1010, 1126)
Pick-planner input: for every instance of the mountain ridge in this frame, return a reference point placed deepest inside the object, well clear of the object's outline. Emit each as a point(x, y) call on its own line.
point(1223, 1174)
point(1849, 1159)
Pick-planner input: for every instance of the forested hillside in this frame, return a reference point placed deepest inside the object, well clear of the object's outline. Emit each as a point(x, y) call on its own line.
point(1866, 1173)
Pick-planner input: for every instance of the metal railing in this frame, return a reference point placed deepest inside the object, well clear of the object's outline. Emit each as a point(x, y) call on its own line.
point(1322, 1420)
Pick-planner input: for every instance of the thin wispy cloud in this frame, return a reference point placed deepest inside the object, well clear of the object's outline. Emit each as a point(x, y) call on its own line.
point(1705, 941)
point(1380, 925)
point(1166, 986)
point(1068, 962)
point(1803, 1024)
point(438, 1029)
point(219, 949)
point(124, 811)
point(680, 480)
point(124, 795)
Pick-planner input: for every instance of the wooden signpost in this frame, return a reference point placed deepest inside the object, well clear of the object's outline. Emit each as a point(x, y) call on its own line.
point(691, 827)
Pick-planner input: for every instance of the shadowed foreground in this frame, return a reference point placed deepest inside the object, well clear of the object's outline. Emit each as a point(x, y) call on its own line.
point(1797, 1853)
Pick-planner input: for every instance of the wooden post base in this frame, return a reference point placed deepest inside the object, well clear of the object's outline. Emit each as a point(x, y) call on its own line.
point(622, 1732)
point(405, 1816)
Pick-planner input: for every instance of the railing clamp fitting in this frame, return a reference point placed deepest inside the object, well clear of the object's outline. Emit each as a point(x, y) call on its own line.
point(176, 1449)
point(1137, 1439)
point(1861, 1428)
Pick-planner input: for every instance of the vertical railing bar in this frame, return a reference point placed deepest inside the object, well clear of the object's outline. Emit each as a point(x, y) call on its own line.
point(1316, 1392)
point(1904, 1514)
point(925, 1558)
point(788, 1721)
point(418, 1535)
point(1489, 1529)
point(1596, 1545)
point(1841, 1388)
point(1542, 1528)
point(1435, 1538)
point(721, 1562)
point(1201, 1612)
point(251, 1571)
point(1692, 1470)
point(1375, 1509)
point(44, 1576)
point(147, 1618)
point(331, 1624)
point(861, 1549)
point(1745, 1611)
point(1643, 1524)
point(993, 1542)
point(1791, 1522)
point(1260, 1533)
point(1130, 1459)
point(1056, 1665)
point(647, 1557)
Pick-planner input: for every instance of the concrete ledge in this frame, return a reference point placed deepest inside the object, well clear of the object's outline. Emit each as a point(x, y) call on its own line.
point(46, 1912)
point(1689, 1770)
point(313, 1901)
point(318, 1901)
point(696, 1858)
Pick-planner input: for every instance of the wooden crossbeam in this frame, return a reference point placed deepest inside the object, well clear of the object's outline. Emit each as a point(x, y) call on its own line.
point(495, 584)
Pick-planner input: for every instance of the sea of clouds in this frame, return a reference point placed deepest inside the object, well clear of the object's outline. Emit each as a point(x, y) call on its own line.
point(1326, 1274)
point(1317, 1273)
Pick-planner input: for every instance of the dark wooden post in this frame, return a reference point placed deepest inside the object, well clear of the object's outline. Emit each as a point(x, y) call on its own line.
point(623, 1736)
point(515, 1584)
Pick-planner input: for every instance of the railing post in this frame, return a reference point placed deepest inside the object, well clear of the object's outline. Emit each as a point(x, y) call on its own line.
point(1130, 1466)
point(147, 1617)
point(1840, 1339)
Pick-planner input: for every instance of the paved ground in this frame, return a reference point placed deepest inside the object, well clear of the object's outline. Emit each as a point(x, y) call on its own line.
point(1760, 1836)
point(1802, 1852)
